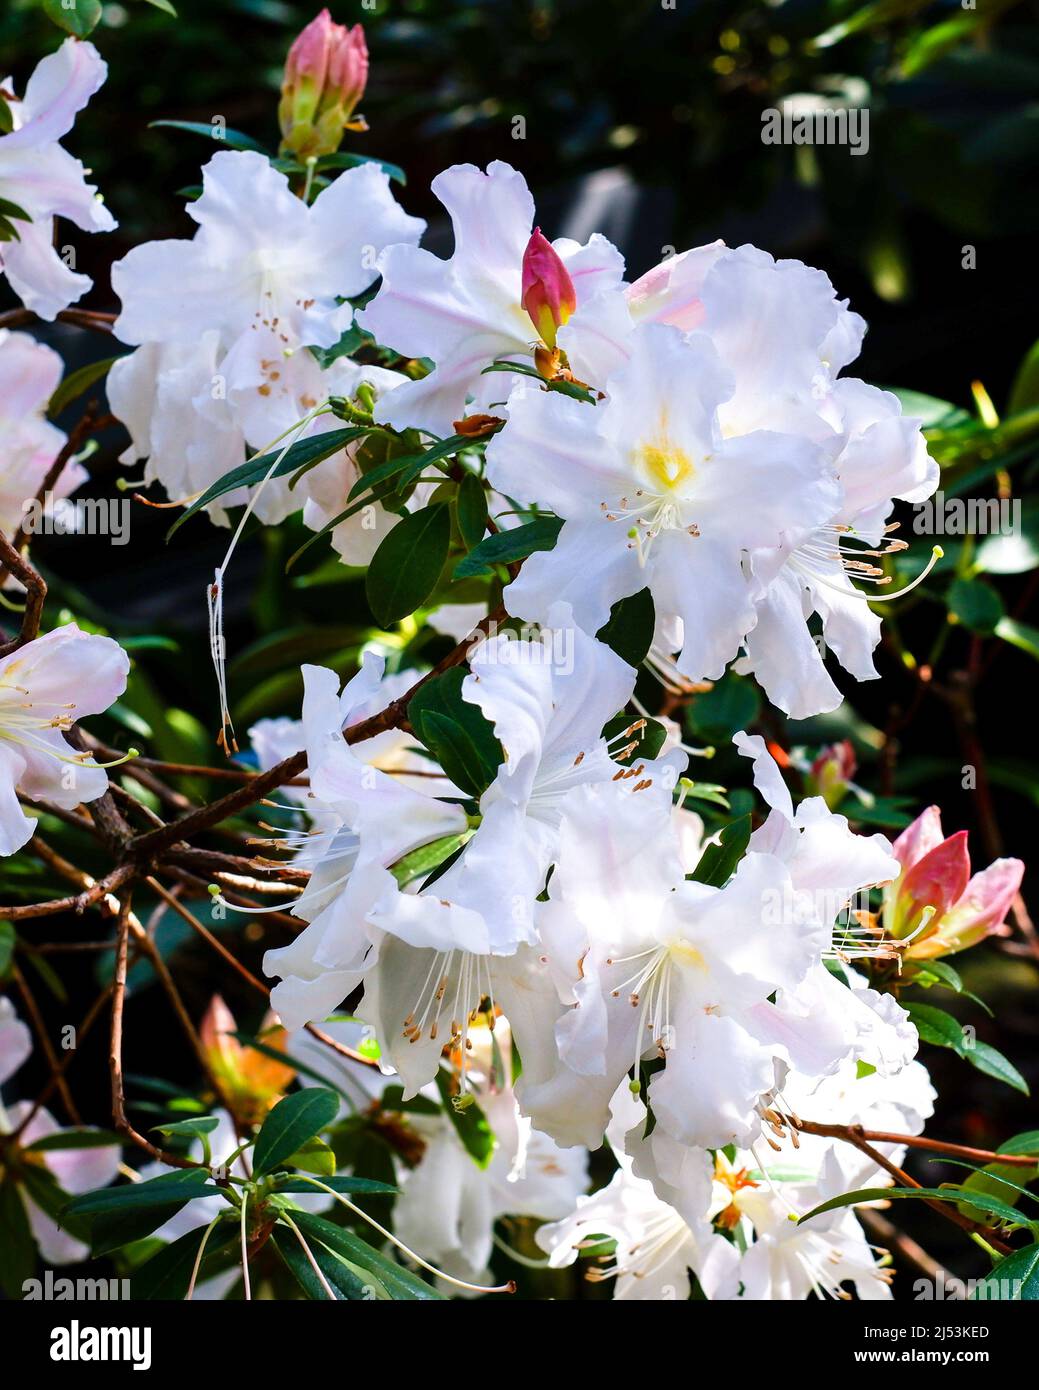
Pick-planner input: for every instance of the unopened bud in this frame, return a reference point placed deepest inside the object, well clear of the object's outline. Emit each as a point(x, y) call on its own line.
point(325, 76)
point(548, 293)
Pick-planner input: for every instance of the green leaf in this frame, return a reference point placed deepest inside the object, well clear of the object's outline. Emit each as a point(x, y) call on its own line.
point(76, 1139)
point(77, 17)
point(14, 210)
point(233, 139)
point(996, 1179)
point(992, 1206)
point(304, 453)
point(388, 480)
point(17, 1246)
point(975, 604)
point(315, 1156)
point(169, 1189)
point(77, 382)
point(405, 568)
point(471, 510)
point(8, 940)
point(197, 1125)
point(1014, 551)
point(647, 740)
point(1026, 1143)
point(937, 970)
point(1019, 635)
point(290, 1124)
point(421, 862)
point(346, 1185)
point(115, 1217)
point(163, 5)
point(456, 732)
point(937, 1027)
point(399, 1282)
point(629, 631)
point(1015, 1278)
point(711, 793)
point(733, 703)
point(565, 388)
point(1024, 394)
point(469, 1121)
point(508, 546)
point(167, 1274)
point(986, 1059)
point(718, 861)
point(347, 1280)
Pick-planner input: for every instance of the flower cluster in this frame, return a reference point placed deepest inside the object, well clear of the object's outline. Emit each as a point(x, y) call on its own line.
point(500, 872)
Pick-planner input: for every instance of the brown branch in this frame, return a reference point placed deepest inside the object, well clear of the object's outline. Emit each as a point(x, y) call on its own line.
point(12, 562)
point(40, 1028)
point(115, 1049)
point(207, 936)
point(57, 1076)
point(857, 1137)
point(80, 318)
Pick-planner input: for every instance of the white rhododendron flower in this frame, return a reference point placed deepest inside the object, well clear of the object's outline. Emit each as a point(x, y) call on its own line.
point(29, 376)
point(448, 1205)
point(883, 457)
point(821, 1021)
point(45, 181)
point(267, 273)
point(782, 333)
point(547, 699)
point(379, 822)
point(654, 494)
point(468, 311)
point(167, 396)
point(45, 687)
point(658, 967)
point(655, 1246)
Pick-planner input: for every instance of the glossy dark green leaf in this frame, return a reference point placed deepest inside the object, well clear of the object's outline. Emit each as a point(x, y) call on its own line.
point(230, 139)
point(508, 546)
point(77, 17)
point(469, 1121)
point(992, 1206)
point(77, 382)
point(290, 1124)
point(279, 462)
point(629, 631)
point(182, 1186)
point(456, 732)
point(399, 1282)
point(405, 568)
point(17, 1246)
point(718, 861)
point(471, 510)
point(348, 1281)
point(985, 1058)
point(1012, 1279)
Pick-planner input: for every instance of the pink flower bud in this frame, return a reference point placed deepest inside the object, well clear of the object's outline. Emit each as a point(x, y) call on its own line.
point(980, 912)
point(917, 839)
point(347, 68)
point(932, 885)
point(325, 77)
point(548, 293)
point(832, 771)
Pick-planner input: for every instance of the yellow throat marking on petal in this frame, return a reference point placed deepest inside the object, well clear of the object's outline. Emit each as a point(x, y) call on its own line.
point(665, 466)
point(687, 954)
